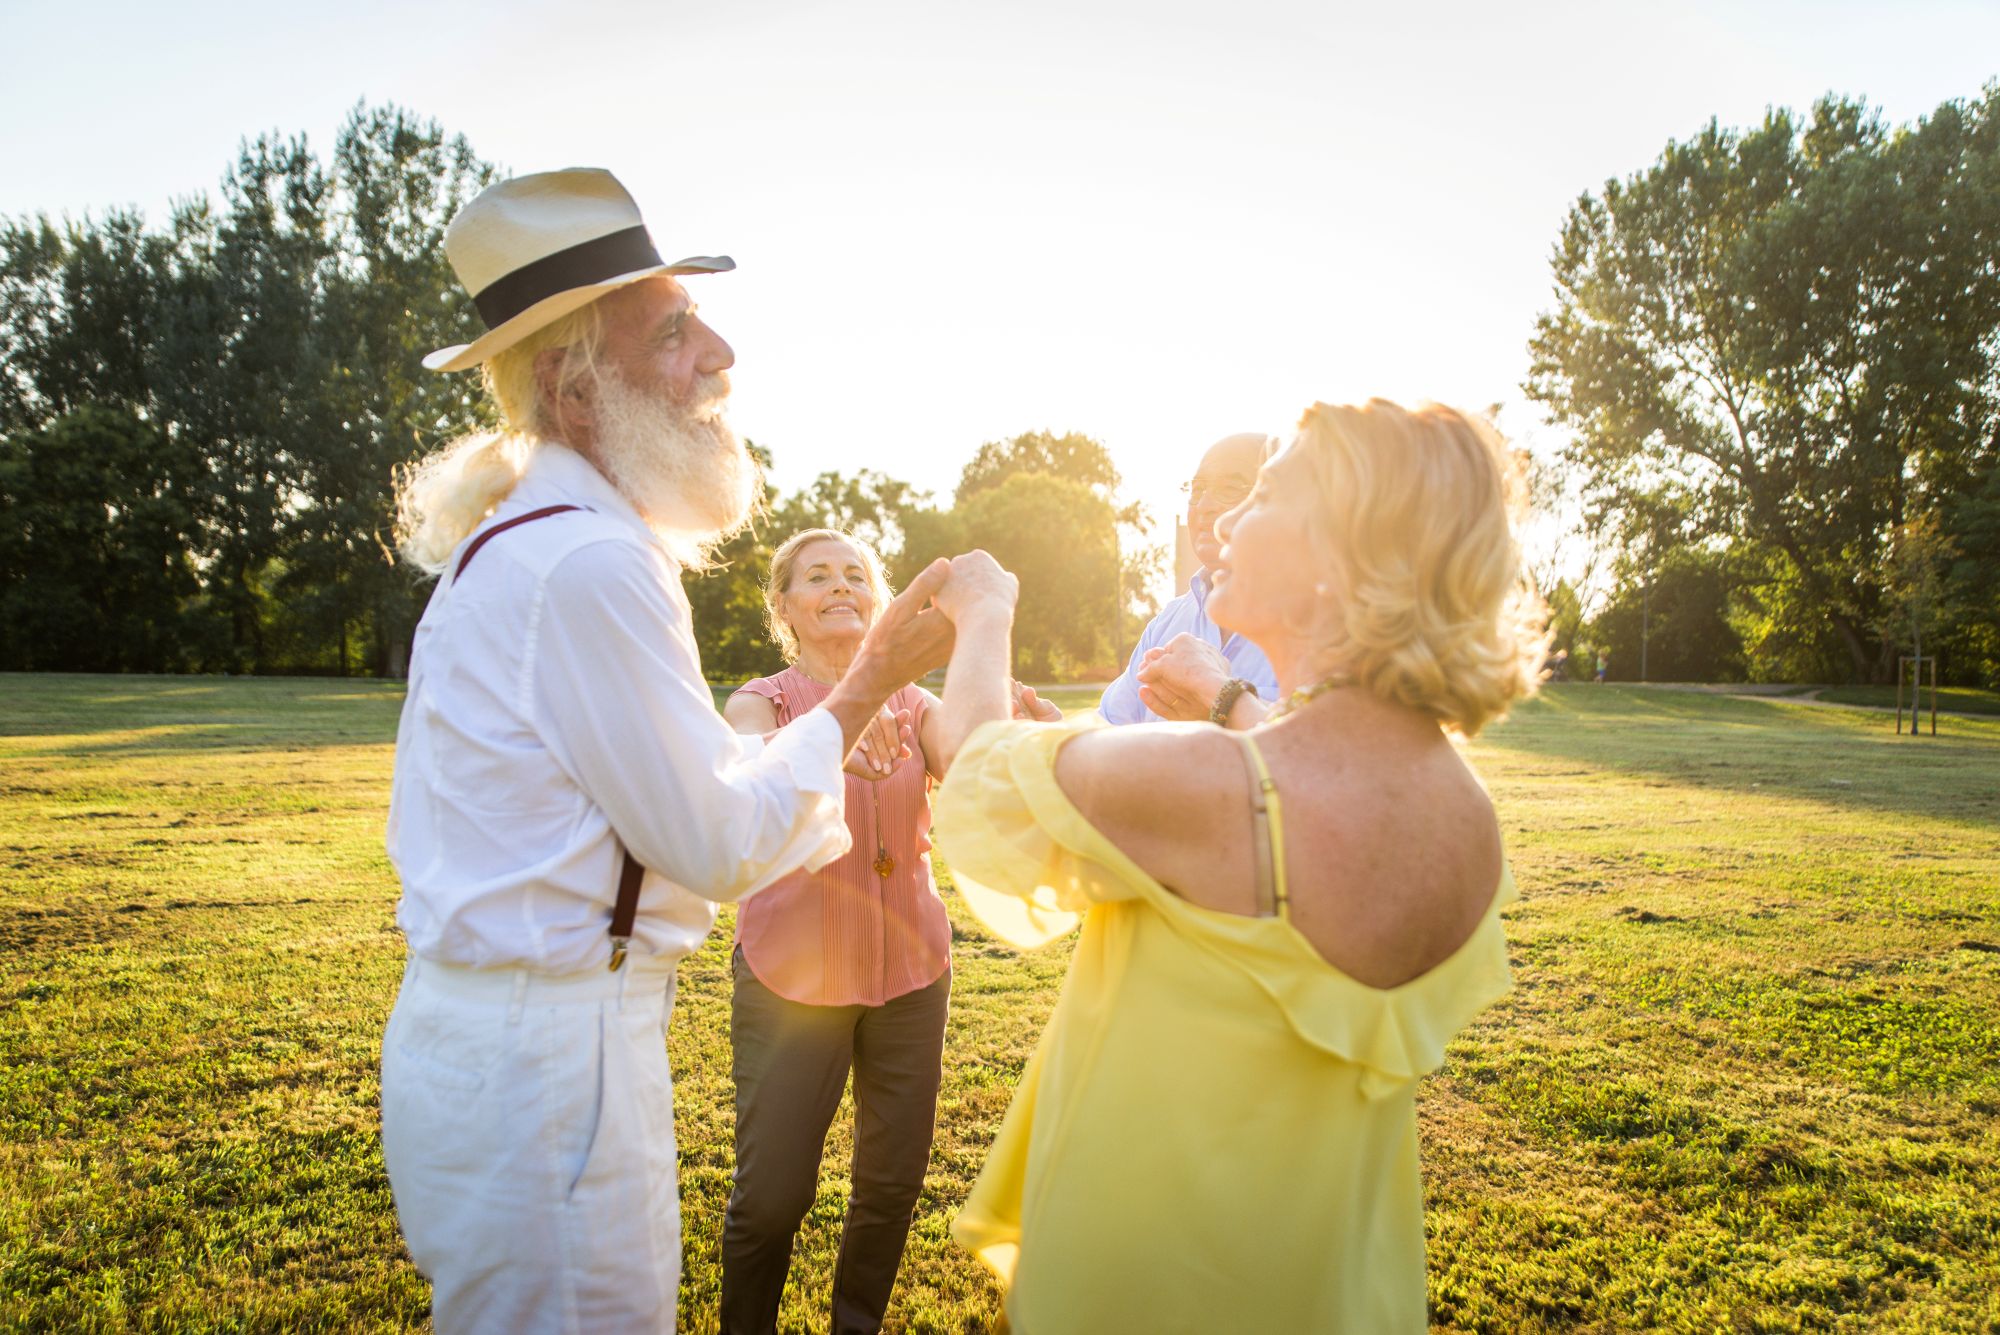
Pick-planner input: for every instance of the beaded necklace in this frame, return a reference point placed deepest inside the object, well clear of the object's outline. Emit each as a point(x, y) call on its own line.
point(1305, 695)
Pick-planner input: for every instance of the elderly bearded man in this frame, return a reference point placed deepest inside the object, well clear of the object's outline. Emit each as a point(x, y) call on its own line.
point(1184, 662)
point(568, 805)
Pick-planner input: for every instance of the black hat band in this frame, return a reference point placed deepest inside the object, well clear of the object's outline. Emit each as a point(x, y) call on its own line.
point(579, 266)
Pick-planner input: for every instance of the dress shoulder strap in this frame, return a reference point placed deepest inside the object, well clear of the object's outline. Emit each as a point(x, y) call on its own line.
point(1268, 836)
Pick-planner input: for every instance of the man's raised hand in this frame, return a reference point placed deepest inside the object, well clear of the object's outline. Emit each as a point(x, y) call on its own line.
point(977, 584)
point(909, 639)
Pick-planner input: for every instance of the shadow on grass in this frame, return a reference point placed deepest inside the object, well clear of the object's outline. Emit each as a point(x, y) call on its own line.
point(116, 715)
point(1841, 757)
point(106, 716)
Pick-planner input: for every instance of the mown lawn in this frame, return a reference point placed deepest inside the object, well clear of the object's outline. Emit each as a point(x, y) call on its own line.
point(1961, 699)
point(1749, 1079)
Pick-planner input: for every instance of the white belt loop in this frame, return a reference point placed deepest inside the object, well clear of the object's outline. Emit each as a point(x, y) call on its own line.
point(519, 1000)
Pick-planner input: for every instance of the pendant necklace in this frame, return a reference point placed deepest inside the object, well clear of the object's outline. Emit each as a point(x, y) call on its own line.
point(884, 864)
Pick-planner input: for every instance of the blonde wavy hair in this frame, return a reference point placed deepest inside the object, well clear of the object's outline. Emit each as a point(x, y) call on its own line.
point(445, 495)
point(1427, 601)
point(780, 579)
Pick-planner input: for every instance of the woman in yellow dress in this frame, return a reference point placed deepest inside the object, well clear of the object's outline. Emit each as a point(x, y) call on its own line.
point(1284, 920)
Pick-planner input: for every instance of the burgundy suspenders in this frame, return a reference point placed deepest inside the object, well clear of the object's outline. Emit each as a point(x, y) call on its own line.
point(472, 548)
point(630, 874)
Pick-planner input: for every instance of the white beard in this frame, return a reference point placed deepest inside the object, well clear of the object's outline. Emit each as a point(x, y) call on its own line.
point(680, 464)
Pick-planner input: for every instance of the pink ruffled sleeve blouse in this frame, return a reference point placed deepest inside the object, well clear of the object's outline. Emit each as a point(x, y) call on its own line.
point(847, 935)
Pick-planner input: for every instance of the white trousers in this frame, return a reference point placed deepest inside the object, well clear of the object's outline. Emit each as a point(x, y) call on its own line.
point(528, 1126)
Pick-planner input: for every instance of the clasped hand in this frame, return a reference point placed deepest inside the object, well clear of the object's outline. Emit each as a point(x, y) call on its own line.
point(883, 747)
point(915, 633)
point(1180, 679)
point(976, 585)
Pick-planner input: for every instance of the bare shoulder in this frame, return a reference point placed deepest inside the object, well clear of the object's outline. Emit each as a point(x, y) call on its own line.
point(1172, 797)
point(1394, 865)
point(746, 711)
point(1109, 772)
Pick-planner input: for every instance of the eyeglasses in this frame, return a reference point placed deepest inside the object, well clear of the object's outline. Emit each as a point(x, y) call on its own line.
point(1225, 495)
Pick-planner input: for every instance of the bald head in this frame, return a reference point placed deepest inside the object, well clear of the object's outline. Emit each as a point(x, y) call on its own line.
point(1238, 455)
point(1226, 473)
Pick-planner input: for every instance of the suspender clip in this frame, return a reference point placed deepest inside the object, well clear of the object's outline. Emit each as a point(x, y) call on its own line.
point(618, 944)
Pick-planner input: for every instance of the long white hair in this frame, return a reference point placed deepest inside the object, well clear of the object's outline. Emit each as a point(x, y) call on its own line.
point(445, 495)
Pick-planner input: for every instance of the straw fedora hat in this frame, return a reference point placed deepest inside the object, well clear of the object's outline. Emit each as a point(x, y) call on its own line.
point(535, 248)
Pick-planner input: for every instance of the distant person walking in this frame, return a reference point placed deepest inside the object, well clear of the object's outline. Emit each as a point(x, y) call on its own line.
point(1603, 666)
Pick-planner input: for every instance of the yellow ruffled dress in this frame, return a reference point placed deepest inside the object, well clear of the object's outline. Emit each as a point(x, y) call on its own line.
point(1217, 1132)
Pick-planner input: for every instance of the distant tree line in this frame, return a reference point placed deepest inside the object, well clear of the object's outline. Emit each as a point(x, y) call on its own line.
point(1045, 505)
point(1777, 355)
point(199, 425)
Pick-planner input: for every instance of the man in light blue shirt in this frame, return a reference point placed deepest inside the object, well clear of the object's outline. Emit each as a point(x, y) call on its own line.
point(1225, 476)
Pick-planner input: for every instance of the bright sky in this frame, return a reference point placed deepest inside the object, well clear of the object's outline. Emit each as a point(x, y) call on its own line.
point(1157, 223)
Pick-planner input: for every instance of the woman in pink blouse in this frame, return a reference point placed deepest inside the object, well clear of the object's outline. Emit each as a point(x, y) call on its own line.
point(845, 967)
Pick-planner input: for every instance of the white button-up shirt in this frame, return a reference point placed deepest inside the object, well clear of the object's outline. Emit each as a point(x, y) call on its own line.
point(556, 707)
point(1189, 612)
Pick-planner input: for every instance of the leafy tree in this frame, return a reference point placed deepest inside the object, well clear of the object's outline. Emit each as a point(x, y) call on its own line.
point(1059, 533)
point(1914, 584)
point(277, 337)
point(78, 303)
point(1784, 634)
point(727, 600)
point(1061, 538)
point(98, 514)
point(389, 297)
point(868, 504)
point(1969, 640)
point(1071, 455)
point(1567, 629)
point(1085, 461)
point(241, 364)
point(1672, 615)
point(1786, 335)
point(207, 418)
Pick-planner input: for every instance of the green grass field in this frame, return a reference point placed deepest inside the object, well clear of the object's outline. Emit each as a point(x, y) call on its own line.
point(1962, 699)
point(1749, 1079)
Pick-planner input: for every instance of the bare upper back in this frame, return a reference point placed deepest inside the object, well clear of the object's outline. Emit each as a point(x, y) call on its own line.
point(1390, 843)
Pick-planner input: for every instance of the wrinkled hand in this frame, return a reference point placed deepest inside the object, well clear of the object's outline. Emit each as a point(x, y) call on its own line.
point(908, 638)
point(1180, 679)
point(1028, 705)
point(883, 747)
point(977, 583)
